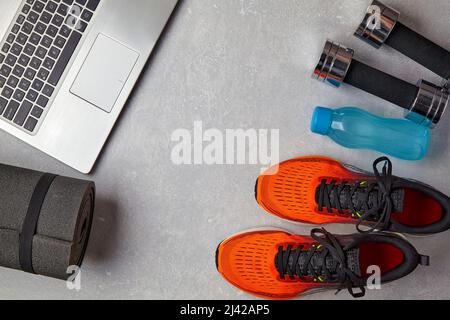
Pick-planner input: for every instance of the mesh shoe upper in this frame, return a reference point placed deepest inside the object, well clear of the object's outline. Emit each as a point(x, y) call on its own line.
point(317, 190)
point(279, 265)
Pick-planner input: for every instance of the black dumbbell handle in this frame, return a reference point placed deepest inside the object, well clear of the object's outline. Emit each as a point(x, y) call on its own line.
point(420, 49)
point(381, 84)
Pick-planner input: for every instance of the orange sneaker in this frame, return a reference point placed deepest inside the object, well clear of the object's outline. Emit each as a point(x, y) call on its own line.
point(279, 265)
point(318, 190)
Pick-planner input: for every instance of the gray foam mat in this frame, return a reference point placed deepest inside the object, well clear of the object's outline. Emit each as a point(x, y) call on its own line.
point(63, 227)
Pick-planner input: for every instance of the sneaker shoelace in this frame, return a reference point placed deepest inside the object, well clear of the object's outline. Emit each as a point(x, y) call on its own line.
point(325, 263)
point(374, 198)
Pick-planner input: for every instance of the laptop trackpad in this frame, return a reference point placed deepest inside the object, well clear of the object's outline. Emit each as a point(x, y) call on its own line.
point(104, 72)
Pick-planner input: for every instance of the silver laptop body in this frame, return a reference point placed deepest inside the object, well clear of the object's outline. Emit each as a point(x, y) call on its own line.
point(67, 68)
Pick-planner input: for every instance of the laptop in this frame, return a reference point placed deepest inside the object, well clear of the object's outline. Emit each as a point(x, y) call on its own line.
point(67, 68)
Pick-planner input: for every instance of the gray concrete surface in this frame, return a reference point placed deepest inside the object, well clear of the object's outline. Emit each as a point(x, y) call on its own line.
point(231, 64)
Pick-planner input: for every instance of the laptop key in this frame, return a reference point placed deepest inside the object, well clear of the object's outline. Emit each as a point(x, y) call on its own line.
point(64, 58)
point(22, 38)
point(29, 49)
point(24, 84)
point(27, 27)
point(16, 49)
point(23, 112)
point(3, 104)
point(51, 7)
point(49, 63)
point(7, 92)
point(46, 17)
point(19, 95)
point(60, 42)
point(2, 82)
point(37, 85)
point(20, 19)
point(46, 41)
point(54, 53)
point(37, 112)
point(92, 4)
point(12, 82)
point(5, 70)
point(35, 38)
point(41, 52)
point(43, 74)
point(40, 28)
point(81, 26)
point(30, 124)
point(48, 90)
point(32, 95)
point(5, 48)
point(10, 39)
point(15, 29)
point(65, 31)
point(57, 20)
point(35, 63)
point(11, 60)
point(18, 71)
point(30, 74)
point(26, 9)
point(11, 110)
point(33, 17)
point(24, 60)
point(63, 9)
point(86, 15)
point(52, 31)
point(42, 101)
point(38, 6)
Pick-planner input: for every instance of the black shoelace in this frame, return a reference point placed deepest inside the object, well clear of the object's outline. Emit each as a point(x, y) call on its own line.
point(316, 263)
point(374, 209)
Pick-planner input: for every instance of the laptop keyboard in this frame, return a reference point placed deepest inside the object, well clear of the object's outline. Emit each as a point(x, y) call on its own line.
point(34, 55)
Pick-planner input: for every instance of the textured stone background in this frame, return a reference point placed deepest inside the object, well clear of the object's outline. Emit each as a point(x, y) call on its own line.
point(231, 64)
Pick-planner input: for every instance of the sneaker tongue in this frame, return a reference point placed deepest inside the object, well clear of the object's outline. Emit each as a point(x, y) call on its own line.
point(397, 196)
point(317, 262)
point(353, 261)
point(398, 200)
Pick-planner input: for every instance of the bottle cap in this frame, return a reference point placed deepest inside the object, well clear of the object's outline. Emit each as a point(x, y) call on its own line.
point(321, 121)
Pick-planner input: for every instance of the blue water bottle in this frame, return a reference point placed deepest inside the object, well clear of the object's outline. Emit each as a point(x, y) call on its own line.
point(357, 129)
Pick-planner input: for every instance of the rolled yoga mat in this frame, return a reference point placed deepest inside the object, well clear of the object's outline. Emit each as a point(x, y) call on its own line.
point(45, 221)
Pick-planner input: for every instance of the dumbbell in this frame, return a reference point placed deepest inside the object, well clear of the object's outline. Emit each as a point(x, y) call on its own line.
point(425, 102)
point(381, 26)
